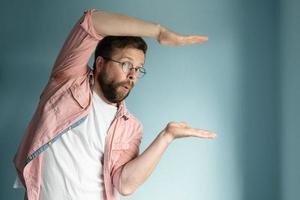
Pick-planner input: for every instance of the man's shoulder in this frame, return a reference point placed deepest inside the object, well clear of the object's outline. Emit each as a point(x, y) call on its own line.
point(134, 119)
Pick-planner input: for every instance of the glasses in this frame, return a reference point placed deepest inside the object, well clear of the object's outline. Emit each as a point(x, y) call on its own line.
point(128, 66)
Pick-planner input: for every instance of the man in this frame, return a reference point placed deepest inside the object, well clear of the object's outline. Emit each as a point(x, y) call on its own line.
point(82, 142)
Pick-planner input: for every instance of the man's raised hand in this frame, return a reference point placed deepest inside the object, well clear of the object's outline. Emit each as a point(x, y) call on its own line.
point(170, 38)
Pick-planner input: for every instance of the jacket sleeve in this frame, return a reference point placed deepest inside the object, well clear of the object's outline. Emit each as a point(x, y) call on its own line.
point(77, 49)
point(127, 153)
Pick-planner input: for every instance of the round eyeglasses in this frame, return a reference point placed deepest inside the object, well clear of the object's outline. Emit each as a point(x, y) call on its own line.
point(128, 66)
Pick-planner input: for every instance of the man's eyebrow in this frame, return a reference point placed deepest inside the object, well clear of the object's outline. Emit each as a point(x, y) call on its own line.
point(142, 64)
point(128, 58)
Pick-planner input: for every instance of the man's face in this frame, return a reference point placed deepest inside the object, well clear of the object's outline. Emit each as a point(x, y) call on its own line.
point(113, 81)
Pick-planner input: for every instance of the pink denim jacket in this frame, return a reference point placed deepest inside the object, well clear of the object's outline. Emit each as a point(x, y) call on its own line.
point(64, 104)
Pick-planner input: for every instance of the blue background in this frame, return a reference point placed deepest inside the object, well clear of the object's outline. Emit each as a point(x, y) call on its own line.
point(243, 84)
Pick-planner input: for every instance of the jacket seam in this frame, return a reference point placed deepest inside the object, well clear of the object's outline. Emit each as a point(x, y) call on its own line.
point(45, 146)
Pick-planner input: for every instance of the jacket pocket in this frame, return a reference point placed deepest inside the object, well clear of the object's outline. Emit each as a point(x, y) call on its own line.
point(79, 97)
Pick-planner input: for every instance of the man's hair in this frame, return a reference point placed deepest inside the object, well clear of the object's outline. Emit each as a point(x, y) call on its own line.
point(108, 44)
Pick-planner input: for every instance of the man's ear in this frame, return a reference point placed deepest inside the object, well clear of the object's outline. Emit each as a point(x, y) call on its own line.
point(99, 64)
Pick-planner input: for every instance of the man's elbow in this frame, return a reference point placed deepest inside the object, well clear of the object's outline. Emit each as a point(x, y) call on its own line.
point(127, 187)
point(126, 191)
point(128, 183)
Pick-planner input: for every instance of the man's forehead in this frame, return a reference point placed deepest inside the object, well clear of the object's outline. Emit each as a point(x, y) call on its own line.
point(132, 54)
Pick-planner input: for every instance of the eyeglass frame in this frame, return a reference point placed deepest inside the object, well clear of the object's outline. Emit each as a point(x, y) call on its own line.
point(140, 73)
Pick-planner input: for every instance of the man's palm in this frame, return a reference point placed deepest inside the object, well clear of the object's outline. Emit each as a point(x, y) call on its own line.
point(181, 129)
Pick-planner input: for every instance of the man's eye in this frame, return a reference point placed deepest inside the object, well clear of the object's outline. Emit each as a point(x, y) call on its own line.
point(141, 69)
point(126, 64)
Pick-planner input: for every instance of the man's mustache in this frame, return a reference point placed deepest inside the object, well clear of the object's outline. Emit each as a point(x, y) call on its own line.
point(127, 84)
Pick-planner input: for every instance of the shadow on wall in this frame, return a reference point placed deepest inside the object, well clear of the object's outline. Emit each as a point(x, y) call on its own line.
point(260, 155)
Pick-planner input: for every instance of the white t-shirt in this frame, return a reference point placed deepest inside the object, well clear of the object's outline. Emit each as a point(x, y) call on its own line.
point(72, 166)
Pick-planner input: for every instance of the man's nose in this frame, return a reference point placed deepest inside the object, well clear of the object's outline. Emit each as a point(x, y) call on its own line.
point(132, 75)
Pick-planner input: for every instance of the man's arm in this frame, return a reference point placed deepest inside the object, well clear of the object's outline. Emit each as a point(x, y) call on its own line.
point(94, 25)
point(136, 171)
point(122, 25)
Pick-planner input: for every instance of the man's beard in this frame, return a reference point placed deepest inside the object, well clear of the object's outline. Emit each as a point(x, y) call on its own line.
point(110, 88)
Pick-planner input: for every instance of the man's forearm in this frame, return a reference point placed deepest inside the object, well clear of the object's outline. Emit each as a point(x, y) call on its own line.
point(122, 25)
point(138, 170)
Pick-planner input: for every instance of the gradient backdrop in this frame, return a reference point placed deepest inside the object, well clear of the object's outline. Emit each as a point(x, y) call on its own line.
point(244, 84)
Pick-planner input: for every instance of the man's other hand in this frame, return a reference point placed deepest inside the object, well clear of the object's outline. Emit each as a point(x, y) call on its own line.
point(176, 130)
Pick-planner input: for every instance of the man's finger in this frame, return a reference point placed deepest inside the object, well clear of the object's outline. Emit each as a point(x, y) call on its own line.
point(203, 133)
point(195, 39)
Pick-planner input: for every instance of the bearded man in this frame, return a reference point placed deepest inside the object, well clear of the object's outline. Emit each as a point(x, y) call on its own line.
point(82, 142)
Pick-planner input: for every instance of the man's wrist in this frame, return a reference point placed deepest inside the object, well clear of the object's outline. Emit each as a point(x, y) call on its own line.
point(166, 137)
point(157, 31)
